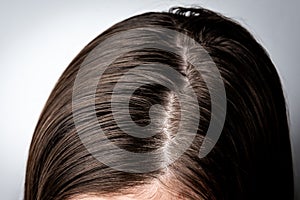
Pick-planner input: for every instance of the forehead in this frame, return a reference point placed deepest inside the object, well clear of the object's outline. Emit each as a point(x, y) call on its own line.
point(89, 197)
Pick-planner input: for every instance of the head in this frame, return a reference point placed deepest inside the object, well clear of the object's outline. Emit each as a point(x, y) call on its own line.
point(103, 136)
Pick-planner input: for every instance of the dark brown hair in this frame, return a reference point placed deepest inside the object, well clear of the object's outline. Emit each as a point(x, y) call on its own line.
point(250, 160)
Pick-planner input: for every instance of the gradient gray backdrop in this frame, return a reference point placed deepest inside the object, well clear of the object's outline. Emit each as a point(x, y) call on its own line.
point(38, 40)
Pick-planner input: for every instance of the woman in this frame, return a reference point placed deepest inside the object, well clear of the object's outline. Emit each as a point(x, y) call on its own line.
point(141, 113)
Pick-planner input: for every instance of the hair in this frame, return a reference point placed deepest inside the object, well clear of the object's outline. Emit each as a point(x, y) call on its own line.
point(250, 160)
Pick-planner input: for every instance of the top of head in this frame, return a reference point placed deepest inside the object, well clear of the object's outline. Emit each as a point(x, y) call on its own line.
point(133, 110)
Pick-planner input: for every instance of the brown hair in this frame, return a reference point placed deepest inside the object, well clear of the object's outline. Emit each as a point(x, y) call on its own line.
point(250, 160)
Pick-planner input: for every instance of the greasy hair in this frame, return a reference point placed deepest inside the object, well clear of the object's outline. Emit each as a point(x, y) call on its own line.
point(251, 159)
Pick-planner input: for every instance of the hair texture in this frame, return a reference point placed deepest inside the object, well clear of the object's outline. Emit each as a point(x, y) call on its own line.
point(251, 159)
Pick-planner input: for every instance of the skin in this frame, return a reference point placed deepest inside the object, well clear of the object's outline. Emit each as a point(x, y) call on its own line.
point(88, 197)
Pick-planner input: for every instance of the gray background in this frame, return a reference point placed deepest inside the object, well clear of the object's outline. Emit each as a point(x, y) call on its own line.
point(38, 40)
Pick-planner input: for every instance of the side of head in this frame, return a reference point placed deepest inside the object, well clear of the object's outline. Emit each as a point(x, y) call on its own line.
point(250, 160)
